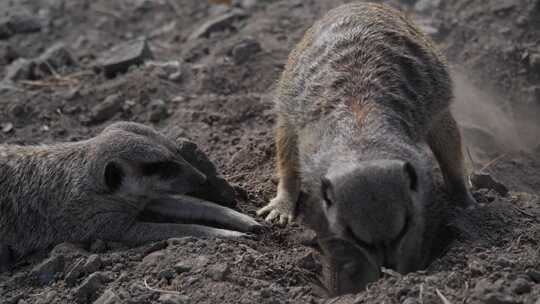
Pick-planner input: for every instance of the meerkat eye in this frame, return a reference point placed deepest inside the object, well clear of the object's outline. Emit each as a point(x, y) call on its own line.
point(163, 169)
point(325, 188)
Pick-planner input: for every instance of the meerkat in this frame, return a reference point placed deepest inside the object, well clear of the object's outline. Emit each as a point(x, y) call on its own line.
point(96, 189)
point(361, 95)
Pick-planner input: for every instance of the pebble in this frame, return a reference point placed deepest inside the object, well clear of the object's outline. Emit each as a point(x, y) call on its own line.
point(122, 56)
point(108, 297)
point(218, 24)
point(173, 299)
point(521, 286)
point(106, 109)
point(158, 110)
point(90, 286)
point(7, 127)
point(245, 50)
point(46, 271)
point(20, 69)
point(93, 263)
point(219, 272)
point(182, 267)
point(499, 298)
point(486, 181)
point(534, 275)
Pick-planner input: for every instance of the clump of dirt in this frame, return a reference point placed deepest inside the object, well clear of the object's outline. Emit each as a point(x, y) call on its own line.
point(215, 88)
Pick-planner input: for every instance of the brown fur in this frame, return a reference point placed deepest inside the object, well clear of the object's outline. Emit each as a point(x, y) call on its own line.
point(360, 95)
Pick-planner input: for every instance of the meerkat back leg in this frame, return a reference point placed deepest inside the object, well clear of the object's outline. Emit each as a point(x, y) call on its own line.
point(444, 140)
point(282, 207)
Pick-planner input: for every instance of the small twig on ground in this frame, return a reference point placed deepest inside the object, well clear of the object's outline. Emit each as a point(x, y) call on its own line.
point(159, 290)
point(493, 161)
point(442, 297)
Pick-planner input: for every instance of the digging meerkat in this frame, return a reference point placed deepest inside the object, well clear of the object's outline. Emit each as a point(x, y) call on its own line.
point(360, 96)
point(96, 189)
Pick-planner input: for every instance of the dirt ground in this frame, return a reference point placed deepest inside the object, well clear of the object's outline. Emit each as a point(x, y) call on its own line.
point(213, 84)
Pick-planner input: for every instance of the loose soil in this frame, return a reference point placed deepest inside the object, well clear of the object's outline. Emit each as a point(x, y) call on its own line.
point(217, 91)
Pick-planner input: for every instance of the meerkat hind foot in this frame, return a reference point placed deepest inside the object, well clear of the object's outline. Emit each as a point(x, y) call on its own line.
point(279, 210)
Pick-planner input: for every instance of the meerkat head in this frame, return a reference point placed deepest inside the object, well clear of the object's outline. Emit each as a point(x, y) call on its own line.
point(138, 163)
point(374, 213)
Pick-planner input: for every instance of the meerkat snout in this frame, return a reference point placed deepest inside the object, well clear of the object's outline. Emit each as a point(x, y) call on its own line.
point(374, 209)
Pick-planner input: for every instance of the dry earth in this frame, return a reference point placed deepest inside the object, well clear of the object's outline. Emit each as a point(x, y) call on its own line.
point(209, 77)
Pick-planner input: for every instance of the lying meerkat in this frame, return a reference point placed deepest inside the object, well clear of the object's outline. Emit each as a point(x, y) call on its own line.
point(359, 97)
point(96, 189)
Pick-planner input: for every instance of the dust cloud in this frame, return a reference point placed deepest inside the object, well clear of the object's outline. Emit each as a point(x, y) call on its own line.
point(487, 128)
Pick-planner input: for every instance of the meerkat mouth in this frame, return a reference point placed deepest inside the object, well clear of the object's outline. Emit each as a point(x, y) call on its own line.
point(186, 209)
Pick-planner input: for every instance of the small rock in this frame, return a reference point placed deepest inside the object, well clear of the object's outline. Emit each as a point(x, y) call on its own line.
point(20, 69)
point(246, 49)
point(427, 6)
point(534, 62)
point(93, 263)
point(218, 24)
point(182, 267)
point(520, 286)
point(486, 181)
point(46, 271)
point(499, 298)
point(158, 110)
point(89, 288)
point(167, 274)
point(98, 246)
point(219, 272)
point(7, 127)
point(410, 301)
point(503, 6)
point(173, 299)
point(534, 275)
point(55, 57)
point(19, 24)
point(121, 57)
point(106, 109)
point(108, 297)
point(504, 262)
point(153, 258)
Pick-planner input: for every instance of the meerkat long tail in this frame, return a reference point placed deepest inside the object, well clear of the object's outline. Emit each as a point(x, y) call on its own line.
point(187, 208)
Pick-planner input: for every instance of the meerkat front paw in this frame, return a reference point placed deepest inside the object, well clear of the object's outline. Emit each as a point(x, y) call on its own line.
point(280, 210)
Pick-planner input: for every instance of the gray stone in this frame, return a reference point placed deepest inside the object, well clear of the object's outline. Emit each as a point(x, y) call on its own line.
point(55, 57)
point(182, 267)
point(499, 298)
point(245, 50)
point(19, 23)
point(75, 272)
point(45, 272)
point(89, 288)
point(106, 109)
point(20, 69)
point(219, 272)
point(108, 297)
point(486, 181)
point(218, 24)
point(6, 127)
point(93, 263)
point(521, 286)
point(158, 110)
point(534, 275)
point(122, 56)
point(168, 298)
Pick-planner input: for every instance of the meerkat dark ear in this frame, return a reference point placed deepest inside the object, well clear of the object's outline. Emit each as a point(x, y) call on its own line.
point(113, 176)
point(410, 172)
